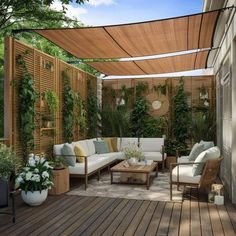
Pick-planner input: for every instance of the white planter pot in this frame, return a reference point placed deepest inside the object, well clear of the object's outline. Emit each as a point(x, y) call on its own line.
point(34, 198)
point(132, 161)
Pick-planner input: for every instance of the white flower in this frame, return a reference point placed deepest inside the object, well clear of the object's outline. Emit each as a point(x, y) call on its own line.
point(37, 158)
point(31, 161)
point(36, 170)
point(26, 169)
point(31, 155)
point(19, 180)
point(45, 174)
point(42, 160)
point(28, 175)
point(47, 165)
point(35, 177)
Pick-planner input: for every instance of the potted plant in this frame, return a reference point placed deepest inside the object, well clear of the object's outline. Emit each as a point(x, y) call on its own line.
point(35, 179)
point(60, 176)
point(133, 154)
point(8, 165)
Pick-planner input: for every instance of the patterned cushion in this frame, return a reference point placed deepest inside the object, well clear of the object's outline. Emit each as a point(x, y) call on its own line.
point(101, 147)
point(196, 150)
point(68, 152)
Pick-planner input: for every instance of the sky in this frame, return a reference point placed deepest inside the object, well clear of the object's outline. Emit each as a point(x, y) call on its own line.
point(108, 12)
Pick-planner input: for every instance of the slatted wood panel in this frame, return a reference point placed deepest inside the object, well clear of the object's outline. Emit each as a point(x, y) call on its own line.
point(45, 78)
point(76, 215)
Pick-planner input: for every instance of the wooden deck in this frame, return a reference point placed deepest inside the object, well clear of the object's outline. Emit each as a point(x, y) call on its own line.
point(76, 215)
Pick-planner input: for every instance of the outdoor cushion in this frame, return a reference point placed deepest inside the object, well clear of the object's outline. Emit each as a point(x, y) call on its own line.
point(57, 149)
point(68, 153)
point(79, 152)
point(94, 162)
point(209, 154)
point(151, 144)
point(185, 174)
point(207, 144)
point(108, 140)
point(83, 144)
point(196, 150)
point(90, 145)
point(183, 159)
point(114, 144)
point(101, 147)
point(155, 156)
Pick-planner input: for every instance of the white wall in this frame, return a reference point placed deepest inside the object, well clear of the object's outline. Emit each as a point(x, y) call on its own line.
point(226, 90)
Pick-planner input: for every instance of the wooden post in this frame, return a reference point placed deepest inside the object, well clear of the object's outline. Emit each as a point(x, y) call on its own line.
point(8, 75)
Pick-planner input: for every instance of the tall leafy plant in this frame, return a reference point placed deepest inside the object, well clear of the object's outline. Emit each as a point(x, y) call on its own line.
point(68, 107)
point(28, 96)
point(181, 120)
point(92, 111)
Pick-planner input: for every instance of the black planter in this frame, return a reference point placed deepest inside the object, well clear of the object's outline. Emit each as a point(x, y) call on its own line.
point(4, 193)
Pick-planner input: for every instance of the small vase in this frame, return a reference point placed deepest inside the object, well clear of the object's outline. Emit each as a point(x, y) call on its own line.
point(34, 198)
point(132, 161)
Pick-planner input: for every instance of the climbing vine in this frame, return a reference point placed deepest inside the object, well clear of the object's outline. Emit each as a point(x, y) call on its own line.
point(28, 96)
point(68, 107)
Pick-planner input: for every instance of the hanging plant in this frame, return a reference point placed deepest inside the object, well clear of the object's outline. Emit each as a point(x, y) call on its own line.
point(52, 101)
point(161, 89)
point(93, 111)
point(27, 99)
point(68, 107)
point(141, 89)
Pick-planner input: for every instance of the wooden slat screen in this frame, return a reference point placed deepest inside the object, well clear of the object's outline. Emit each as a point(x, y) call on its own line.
point(45, 79)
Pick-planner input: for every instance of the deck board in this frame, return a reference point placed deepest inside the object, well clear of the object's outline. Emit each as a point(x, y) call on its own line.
point(79, 215)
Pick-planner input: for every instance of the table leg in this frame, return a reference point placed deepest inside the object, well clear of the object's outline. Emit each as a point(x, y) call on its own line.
point(148, 181)
point(111, 177)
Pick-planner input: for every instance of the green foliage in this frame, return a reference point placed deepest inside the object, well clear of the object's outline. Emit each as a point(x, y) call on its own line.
point(154, 127)
point(80, 113)
point(133, 151)
point(203, 126)
point(27, 99)
point(92, 111)
point(161, 89)
point(139, 117)
point(181, 120)
point(52, 101)
point(173, 146)
point(1, 101)
point(115, 121)
point(8, 162)
point(141, 89)
point(68, 107)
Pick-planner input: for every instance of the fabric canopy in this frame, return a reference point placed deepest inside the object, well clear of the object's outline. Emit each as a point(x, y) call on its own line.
point(179, 63)
point(137, 39)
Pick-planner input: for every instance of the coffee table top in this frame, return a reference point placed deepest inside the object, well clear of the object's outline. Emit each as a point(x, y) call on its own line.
point(134, 169)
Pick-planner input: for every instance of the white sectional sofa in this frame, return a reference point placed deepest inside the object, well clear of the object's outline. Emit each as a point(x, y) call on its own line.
point(153, 149)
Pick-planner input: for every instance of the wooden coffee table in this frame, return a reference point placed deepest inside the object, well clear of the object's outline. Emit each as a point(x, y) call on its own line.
point(138, 169)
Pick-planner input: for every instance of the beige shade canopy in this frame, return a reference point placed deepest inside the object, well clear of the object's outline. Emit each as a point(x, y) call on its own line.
point(137, 39)
point(171, 64)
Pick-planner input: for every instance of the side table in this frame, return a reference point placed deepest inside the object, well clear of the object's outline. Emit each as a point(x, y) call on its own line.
point(169, 160)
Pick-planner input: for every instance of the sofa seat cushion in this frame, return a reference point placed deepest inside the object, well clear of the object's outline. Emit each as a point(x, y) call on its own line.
point(185, 174)
point(95, 162)
point(155, 156)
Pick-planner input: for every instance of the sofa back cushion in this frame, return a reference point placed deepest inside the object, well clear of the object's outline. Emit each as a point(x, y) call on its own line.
point(69, 154)
point(127, 142)
point(196, 150)
point(101, 147)
point(211, 153)
point(114, 144)
point(151, 144)
point(90, 146)
point(207, 144)
point(57, 149)
point(84, 145)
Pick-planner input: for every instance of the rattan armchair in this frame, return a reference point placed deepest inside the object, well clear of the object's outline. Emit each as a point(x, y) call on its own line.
point(180, 174)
